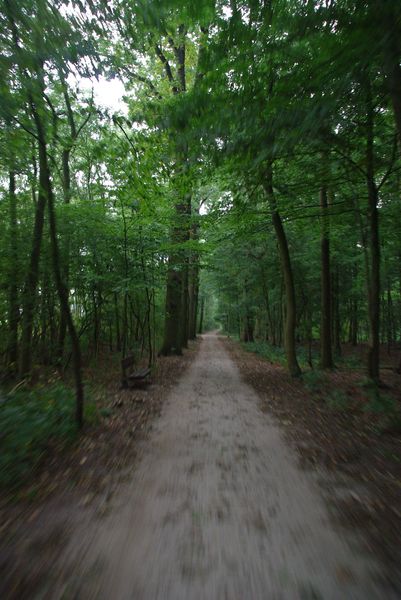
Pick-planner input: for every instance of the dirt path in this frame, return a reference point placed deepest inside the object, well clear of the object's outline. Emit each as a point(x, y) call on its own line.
point(217, 509)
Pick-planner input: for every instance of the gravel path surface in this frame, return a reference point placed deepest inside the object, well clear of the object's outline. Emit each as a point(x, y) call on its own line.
point(217, 509)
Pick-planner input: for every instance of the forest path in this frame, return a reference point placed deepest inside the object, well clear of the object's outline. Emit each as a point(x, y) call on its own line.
point(218, 509)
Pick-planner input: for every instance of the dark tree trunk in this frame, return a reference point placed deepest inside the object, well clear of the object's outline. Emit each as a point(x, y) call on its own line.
point(66, 259)
point(13, 307)
point(290, 317)
point(47, 191)
point(117, 320)
point(31, 283)
point(175, 327)
point(354, 323)
point(202, 311)
point(173, 310)
point(248, 329)
point(374, 244)
point(336, 312)
point(326, 357)
point(193, 286)
point(185, 306)
point(176, 317)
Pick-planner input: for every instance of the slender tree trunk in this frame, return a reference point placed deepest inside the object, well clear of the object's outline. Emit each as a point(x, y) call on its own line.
point(373, 219)
point(193, 298)
point(117, 320)
point(336, 312)
point(31, 283)
point(354, 328)
point(290, 317)
point(65, 308)
point(185, 305)
point(66, 262)
point(248, 325)
point(47, 191)
point(193, 286)
point(326, 357)
point(202, 312)
point(13, 307)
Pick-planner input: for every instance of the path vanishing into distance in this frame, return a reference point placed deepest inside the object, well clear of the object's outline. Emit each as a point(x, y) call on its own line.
point(217, 509)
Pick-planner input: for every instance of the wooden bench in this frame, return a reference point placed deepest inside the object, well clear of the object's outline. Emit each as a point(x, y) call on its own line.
point(131, 377)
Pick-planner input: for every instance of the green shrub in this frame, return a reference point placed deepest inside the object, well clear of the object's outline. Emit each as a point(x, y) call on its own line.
point(32, 421)
point(385, 407)
point(313, 380)
point(353, 361)
point(337, 400)
point(379, 403)
point(274, 354)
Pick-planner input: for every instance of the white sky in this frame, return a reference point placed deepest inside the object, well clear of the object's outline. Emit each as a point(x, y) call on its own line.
point(108, 94)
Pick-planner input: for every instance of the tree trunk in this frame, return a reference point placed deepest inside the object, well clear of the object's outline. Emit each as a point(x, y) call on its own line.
point(47, 191)
point(202, 311)
point(13, 307)
point(374, 244)
point(193, 286)
point(66, 262)
point(31, 283)
point(173, 310)
point(175, 328)
point(185, 305)
point(290, 317)
point(326, 357)
point(117, 320)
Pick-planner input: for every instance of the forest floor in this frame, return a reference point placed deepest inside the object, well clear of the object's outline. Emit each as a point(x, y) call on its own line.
point(76, 486)
point(214, 506)
point(346, 439)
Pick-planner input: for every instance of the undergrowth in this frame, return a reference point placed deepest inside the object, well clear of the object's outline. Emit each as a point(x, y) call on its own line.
point(276, 354)
point(32, 423)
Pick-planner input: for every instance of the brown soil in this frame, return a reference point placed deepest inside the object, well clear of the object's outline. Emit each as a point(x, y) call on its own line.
point(359, 449)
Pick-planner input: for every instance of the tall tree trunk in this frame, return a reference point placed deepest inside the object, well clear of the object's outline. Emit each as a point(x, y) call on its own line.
point(326, 357)
point(176, 311)
point(201, 316)
point(66, 262)
point(247, 318)
point(193, 291)
point(373, 219)
point(336, 312)
point(173, 310)
point(193, 285)
point(31, 284)
point(13, 307)
point(185, 305)
point(117, 320)
point(47, 191)
point(290, 317)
